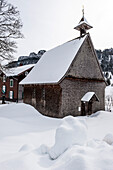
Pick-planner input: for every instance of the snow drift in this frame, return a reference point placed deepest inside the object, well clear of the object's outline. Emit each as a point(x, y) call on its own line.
point(108, 139)
point(23, 130)
point(72, 131)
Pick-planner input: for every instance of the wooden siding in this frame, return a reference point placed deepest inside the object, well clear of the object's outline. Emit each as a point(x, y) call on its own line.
point(85, 64)
point(73, 91)
point(45, 98)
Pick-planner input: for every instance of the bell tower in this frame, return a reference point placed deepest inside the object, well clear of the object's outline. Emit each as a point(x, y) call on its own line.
point(83, 25)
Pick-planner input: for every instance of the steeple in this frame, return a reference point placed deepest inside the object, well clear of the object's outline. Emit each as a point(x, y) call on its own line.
point(83, 25)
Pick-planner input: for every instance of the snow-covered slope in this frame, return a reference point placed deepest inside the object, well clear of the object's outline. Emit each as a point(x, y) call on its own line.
point(27, 139)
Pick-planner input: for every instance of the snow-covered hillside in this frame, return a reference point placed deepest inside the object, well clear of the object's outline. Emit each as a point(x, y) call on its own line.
point(30, 141)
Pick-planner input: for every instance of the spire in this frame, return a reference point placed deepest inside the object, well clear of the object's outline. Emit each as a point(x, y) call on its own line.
point(83, 25)
point(83, 10)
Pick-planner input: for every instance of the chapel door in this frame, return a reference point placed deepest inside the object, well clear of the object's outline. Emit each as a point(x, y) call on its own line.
point(89, 108)
point(83, 109)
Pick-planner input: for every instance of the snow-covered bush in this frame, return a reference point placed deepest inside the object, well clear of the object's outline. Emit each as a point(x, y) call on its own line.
point(72, 131)
point(108, 139)
point(43, 149)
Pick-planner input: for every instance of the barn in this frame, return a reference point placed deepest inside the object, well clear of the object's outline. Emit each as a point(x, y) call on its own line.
point(68, 79)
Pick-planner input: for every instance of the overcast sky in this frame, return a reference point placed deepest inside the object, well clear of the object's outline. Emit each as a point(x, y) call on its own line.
point(48, 23)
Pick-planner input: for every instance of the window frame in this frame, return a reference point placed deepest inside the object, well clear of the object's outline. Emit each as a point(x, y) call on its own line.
point(26, 73)
point(11, 94)
point(4, 78)
point(4, 89)
point(11, 83)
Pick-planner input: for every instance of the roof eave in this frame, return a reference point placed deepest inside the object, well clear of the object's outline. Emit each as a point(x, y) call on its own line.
point(84, 26)
point(15, 75)
point(32, 84)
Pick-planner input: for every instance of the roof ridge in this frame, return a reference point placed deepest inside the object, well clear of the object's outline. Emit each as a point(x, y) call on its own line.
point(78, 37)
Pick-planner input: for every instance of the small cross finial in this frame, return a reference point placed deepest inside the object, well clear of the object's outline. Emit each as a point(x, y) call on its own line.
point(83, 10)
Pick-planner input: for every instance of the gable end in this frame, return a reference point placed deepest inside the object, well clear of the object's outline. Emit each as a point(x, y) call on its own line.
point(85, 63)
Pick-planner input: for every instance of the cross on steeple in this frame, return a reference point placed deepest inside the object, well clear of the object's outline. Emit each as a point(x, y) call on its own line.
point(83, 10)
point(83, 25)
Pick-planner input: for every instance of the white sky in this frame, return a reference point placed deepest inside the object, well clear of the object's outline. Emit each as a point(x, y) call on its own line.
point(48, 23)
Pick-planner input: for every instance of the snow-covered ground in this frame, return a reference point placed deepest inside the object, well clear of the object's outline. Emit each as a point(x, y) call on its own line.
point(30, 141)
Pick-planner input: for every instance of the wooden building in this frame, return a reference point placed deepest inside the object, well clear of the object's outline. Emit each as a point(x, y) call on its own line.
point(68, 79)
point(9, 82)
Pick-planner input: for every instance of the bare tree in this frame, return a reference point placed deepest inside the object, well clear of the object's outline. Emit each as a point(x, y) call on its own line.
point(10, 29)
point(108, 102)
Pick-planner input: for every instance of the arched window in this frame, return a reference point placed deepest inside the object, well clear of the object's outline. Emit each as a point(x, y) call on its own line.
point(11, 82)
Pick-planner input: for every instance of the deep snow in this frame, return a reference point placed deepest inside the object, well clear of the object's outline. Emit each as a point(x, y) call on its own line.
point(27, 140)
point(72, 131)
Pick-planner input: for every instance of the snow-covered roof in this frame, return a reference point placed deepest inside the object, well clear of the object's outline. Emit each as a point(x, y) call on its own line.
point(83, 22)
point(54, 64)
point(87, 97)
point(17, 70)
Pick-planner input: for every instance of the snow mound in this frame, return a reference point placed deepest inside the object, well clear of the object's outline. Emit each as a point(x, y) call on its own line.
point(43, 149)
point(92, 143)
point(72, 131)
point(77, 162)
point(108, 139)
point(26, 147)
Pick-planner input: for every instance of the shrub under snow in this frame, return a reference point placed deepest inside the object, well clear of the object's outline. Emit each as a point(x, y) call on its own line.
point(108, 139)
point(72, 131)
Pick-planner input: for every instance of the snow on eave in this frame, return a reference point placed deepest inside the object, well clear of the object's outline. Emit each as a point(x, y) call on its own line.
point(54, 64)
point(88, 96)
point(83, 22)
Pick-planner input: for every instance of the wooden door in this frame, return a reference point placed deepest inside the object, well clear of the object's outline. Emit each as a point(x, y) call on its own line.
point(89, 108)
point(83, 110)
